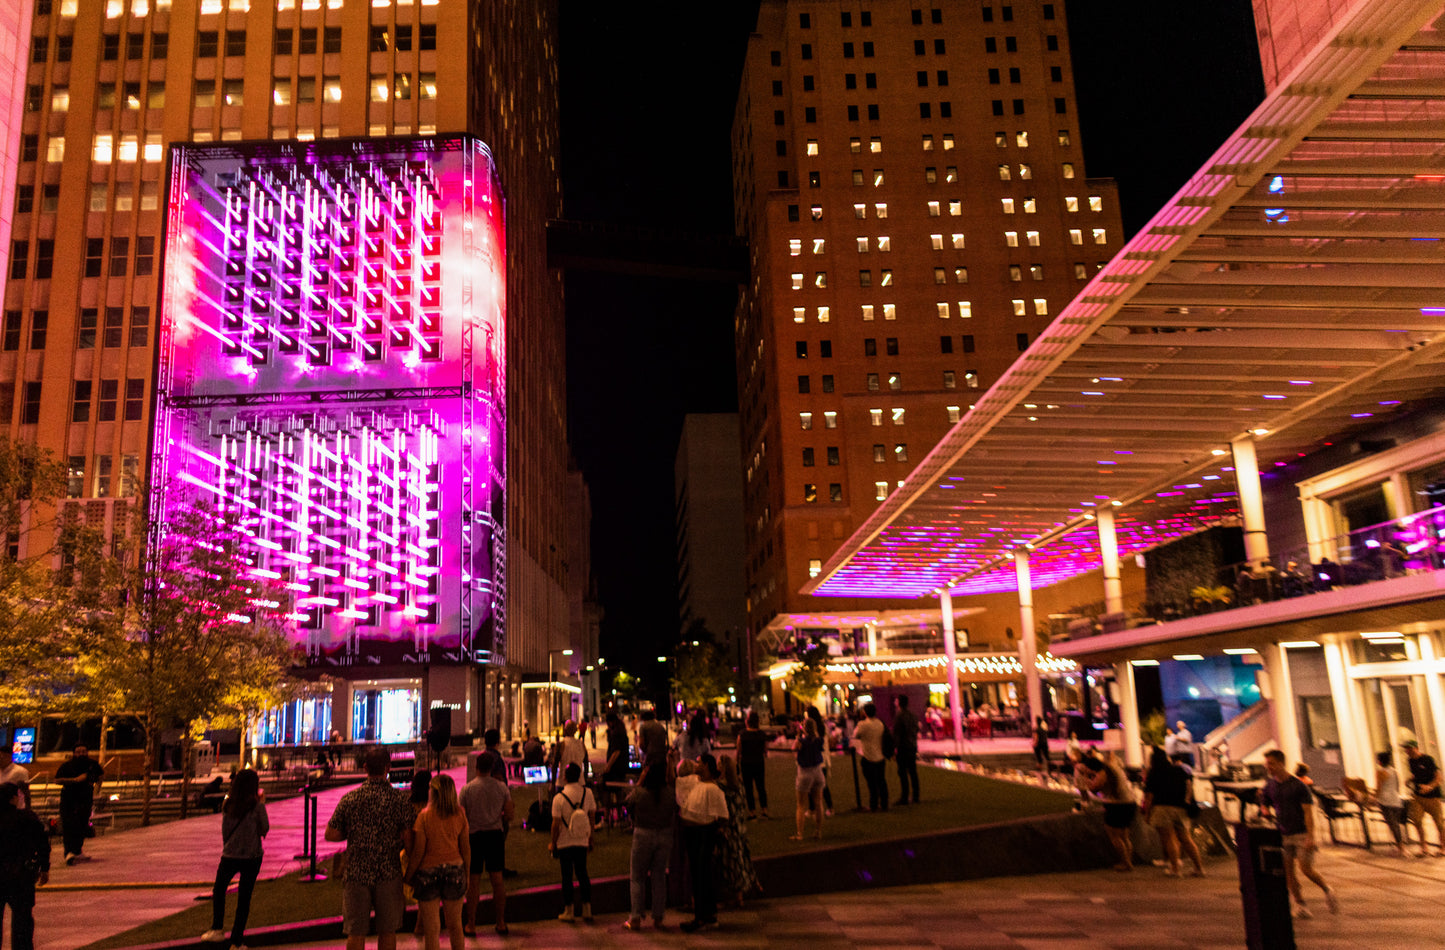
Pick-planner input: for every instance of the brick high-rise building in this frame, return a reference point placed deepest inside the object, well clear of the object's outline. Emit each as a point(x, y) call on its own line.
point(910, 178)
point(111, 85)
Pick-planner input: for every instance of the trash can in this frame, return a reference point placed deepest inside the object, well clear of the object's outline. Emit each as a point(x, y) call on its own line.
point(1262, 888)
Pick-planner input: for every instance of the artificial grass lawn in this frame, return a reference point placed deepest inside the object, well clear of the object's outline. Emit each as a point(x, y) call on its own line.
point(950, 800)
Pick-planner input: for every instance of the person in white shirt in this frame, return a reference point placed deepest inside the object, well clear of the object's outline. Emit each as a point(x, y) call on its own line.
point(869, 736)
point(1183, 743)
point(16, 775)
point(571, 840)
point(571, 751)
point(703, 807)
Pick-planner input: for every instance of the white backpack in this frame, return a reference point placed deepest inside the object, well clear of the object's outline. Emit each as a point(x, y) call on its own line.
point(579, 824)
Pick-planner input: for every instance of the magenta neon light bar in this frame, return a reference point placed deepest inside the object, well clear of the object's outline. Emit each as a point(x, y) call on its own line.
point(332, 368)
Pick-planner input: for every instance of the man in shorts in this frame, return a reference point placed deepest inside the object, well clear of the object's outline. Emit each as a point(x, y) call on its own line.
point(1292, 804)
point(1425, 784)
point(488, 806)
point(375, 822)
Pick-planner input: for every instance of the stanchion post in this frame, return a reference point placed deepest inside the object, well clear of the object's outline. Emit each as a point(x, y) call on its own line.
point(309, 809)
point(307, 838)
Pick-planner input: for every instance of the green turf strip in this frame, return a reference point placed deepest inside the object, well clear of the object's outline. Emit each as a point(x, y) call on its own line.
point(950, 800)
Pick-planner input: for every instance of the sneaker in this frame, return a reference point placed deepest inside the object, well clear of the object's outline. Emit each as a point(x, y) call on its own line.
point(1302, 911)
point(213, 936)
point(567, 915)
point(587, 913)
point(70, 859)
point(1332, 901)
point(632, 923)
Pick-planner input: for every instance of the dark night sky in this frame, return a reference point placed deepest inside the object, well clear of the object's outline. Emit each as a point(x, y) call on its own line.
point(647, 93)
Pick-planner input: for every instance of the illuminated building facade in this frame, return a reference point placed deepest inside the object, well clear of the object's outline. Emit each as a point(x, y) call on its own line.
point(110, 88)
point(911, 181)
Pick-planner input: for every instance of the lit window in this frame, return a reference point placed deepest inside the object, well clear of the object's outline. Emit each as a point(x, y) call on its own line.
point(855, 146)
point(1096, 203)
point(965, 308)
point(1030, 206)
point(875, 145)
point(1036, 272)
point(1020, 308)
point(928, 143)
point(149, 194)
point(1041, 306)
point(898, 415)
point(800, 314)
point(815, 567)
point(953, 413)
point(947, 142)
point(797, 281)
point(937, 241)
point(1033, 238)
point(1011, 238)
point(880, 210)
point(281, 92)
point(862, 245)
point(812, 146)
point(1008, 205)
point(960, 275)
point(949, 380)
point(957, 241)
point(887, 280)
point(1026, 172)
point(817, 212)
point(880, 491)
point(1063, 137)
point(820, 278)
point(1068, 169)
point(860, 211)
point(99, 196)
point(1081, 272)
point(1021, 139)
point(944, 311)
point(810, 493)
point(103, 149)
point(971, 378)
point(1003, 173)
point(1100, 237)
point(877, 178)
point(427, 85)
point(880, 453)
point(1015, 272)
point(60, 99)
point(1076, 236)
point(830, 420)
point(823, 315)
point(875, 416)
point(1071, 203)
point(818, 245)
point(890, 312)
point(955, 208)
point(867, 311)
point(940, 275)
point(933, 209)
point(930, 175)
point(380, 89)
point(900, 452)
point(795, 246)
point(873, 387)
point(806, 419)
point(884, 244)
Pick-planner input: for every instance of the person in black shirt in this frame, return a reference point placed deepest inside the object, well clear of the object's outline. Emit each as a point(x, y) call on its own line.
point(1293, 806)
point(78, 777)
point(1166, 808)
point(752, 762)
point(1425, 783)
point(24, 862)
point(616, 768)
point(905, 741)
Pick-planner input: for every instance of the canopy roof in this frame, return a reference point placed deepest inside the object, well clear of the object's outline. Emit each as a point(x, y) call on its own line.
point(1293, 288)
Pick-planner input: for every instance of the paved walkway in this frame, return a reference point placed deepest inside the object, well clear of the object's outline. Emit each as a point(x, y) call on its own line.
point(1388, 902)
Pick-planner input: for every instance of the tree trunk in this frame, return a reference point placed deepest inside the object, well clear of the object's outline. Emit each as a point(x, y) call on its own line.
point(185, 770)
point(147, 770)
point(241, 744)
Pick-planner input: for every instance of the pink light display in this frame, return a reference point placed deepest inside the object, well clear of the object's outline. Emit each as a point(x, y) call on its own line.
point(332, 369)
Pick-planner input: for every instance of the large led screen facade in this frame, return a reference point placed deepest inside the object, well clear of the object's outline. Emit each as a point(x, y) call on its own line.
point(332, 373)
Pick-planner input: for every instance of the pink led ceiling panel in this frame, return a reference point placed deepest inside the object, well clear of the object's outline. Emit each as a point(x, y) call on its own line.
point(332, 370)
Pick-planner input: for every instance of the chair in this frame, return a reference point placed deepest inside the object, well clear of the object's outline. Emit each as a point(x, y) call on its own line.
point(1337, 806)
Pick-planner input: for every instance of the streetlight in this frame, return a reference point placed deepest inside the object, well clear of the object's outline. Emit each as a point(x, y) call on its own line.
point(552, 687)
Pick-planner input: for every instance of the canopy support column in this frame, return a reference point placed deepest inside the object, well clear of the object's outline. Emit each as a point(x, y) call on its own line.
point(1028, 641)
point(950, 653)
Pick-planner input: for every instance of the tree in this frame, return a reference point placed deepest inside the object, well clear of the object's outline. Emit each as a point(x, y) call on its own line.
point(624, 684)
point(701, 674)
point(202, 636)
point(812, 673)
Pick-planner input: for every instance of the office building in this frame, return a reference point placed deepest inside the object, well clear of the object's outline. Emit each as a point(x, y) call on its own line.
point(910, 178)
point(112, 86)
point(708, 502)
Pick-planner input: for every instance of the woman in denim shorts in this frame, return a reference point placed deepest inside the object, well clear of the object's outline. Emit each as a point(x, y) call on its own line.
point(437, 863)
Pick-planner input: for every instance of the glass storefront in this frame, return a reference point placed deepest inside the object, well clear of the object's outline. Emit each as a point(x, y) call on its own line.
point(386, 714)
point(296, 723)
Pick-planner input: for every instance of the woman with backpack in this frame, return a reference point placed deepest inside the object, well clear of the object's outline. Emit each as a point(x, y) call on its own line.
point(573, 811)
point(244, 824)
point(808, 751)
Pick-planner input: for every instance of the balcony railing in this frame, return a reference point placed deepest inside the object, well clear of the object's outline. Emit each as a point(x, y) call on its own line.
point(1414, 544)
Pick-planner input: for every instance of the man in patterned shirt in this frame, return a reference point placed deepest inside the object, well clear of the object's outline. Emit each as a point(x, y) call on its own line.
point(374, 820)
